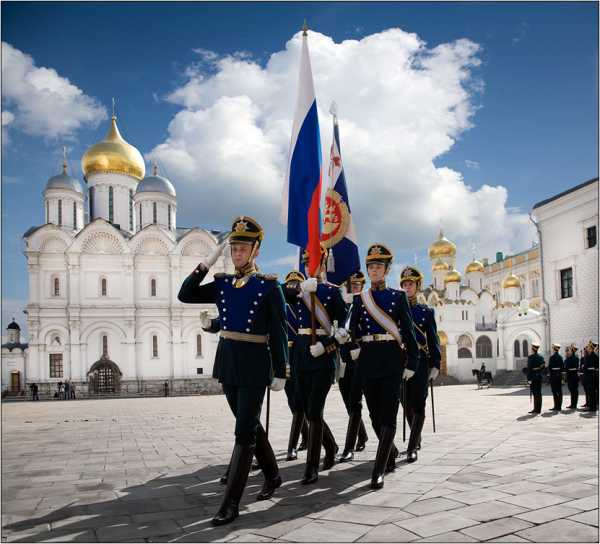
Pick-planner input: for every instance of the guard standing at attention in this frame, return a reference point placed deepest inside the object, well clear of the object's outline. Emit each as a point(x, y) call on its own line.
point(251, 355)
point(535, 367)
point(556, 367)
point(590, 375)
point(572, 369)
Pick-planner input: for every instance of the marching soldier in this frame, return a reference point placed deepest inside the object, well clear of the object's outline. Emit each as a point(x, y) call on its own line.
point(315, 364)
point(252, 354)
point(572, 368)
point(299, 425)
point(349, 383)
point(590, 375)
point(430, 356)
point(381, 323)
point(556, 367)
point(535, 367)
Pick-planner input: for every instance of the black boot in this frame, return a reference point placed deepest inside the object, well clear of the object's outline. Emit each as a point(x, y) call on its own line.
point(351, 434)
point(362, 437)
point(223, 479)
point(415, 436)
point(386, 440)
point(304, 434)
point(266, 459)
point(315, 437)
point(391, 464)
point(292, 452)
point(239, 468)
point(331, 447)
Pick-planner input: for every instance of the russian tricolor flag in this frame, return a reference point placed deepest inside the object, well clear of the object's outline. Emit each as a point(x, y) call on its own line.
point(302, 187)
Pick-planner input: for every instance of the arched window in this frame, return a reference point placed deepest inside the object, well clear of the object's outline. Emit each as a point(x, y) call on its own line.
point(110, 205)
point(92, 189)
point(56, 287)
point(464, 353)
point(74, 215)
point(103, 285)
point(483, 347)
point(525, 348)
point(152, 287)
point(105, 345)
point(130, 209)
point(59, 213)
point(464, 341)
point(155, 346)
point(517, 349)
point(198, 345)
point(154, 212)
point(47, 212)
point(169, 216)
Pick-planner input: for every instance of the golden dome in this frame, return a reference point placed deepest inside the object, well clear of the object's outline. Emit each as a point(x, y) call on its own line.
point(452, 276)
point(442, 247)
point(511, 281)
point(113, 154)
point(440, 265)
point(474, 266)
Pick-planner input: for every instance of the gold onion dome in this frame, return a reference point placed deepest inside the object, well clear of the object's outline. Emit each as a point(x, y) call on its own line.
point(113, 154)
point(511, 281)
point(474, 266)
point(452, 276)
point(442, 247)
point(440, 265)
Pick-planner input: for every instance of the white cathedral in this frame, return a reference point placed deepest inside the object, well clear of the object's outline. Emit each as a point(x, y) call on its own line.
point(103, 310)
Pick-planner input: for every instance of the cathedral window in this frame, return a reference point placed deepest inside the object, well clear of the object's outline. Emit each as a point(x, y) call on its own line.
point(56, 287)
point(483, 347)
point(152, 287)
point(140, 215)
point(59, 212)
point(566, 283)
point(92, 190)
point(517, 349)
point(155, 346)
point(169, 218)
point(198, 345)
point(154, 212)
point(525, 348)
point(464, 353)
point(591, 237)
point(104, 345)
point(47, 212)
point(74, 215)
point(103, 287)
point(110, 205)
point(56, 365)
point(130, 209)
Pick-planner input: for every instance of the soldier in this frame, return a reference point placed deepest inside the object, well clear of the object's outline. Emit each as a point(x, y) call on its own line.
point(430, 356)
point(572, 368)
point(535, 367)
point(590, 375)
point(252, 353)
point(349, 383)
point(380, 323)
point(299, 425)
point(556, 367)
point(316, 362)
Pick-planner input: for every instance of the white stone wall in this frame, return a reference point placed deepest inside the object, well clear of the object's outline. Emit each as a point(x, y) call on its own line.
point(121, 185)
point(146, 201)
point(68, 199)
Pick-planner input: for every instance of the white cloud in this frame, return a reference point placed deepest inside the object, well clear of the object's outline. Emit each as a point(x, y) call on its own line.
point(401, 106)
point(288, 262)
point(474, 165)
point(42, 102)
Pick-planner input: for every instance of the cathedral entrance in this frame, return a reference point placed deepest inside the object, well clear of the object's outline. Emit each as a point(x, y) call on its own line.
point(443, 342)
point(15, 381)
point(104, 377)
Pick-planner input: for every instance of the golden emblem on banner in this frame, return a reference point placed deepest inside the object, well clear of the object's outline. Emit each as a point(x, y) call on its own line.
point(336, 219)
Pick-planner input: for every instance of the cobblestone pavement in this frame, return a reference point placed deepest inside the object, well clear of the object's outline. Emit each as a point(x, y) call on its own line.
point(146, 470)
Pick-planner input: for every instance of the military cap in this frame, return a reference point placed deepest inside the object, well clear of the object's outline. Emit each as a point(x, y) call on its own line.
point(358, 277)
point(294, 275)
point(592, 344)
point(572, 347)
point(535, 345)
point(245, 230)
point(322, 249)
point(378, 253)
point(556, 346)
point(410, 273)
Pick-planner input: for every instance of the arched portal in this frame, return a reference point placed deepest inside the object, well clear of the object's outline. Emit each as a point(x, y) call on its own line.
point(444, 360)
point(104, 377)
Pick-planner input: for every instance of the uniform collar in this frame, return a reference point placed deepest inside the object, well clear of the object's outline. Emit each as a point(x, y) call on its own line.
point(413, 300)
point(246, 270)
point(378, 286)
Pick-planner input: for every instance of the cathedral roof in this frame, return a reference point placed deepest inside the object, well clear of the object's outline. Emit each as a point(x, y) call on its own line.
point(64, 181)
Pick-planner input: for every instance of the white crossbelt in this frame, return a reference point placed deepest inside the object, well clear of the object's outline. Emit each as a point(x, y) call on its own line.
point(318, 332)
point(377, 338)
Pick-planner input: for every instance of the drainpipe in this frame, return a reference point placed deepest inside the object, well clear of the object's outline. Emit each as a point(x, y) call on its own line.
point(546, 305)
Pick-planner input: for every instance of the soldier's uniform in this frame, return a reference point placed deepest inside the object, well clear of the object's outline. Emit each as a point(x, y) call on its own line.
point(572, 369)
point(590, 376)
point(316, 374)
point(429, 357)
point(351, 391)
point(252, 350)
point(380, 323)
point(535, 368)
point(299, 425)
point(556, 367)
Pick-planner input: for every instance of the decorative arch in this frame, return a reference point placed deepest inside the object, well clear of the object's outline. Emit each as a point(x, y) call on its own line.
point(104, 377)
point(151, 239)
point(100, 237)
point(46, 333)
point(195, 242)
point(465, 341)
point(483, 347)
point(53, 236)
point(154, 325)
point(443, 338)
point(100, 326)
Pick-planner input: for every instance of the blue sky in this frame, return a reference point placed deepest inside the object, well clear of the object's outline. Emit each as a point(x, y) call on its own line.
point(531, 92)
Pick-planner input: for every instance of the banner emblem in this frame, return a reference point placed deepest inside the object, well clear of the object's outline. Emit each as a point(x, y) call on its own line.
point(336, 220)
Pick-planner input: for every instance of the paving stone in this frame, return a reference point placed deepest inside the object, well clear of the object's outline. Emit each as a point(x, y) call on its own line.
point(477, 495)
point(496, 528)
point(432, 524)
point(388, 533)
point(488, 511)
point(590, 517)
point(430, 506)
point(451, 536)
point(509, 538)
point(367, 515)
point(574, 490)
point(542, 515)
point(587, 503)
point(535, 499)
point(562, 530)
point(327, 531)
point(385, 498)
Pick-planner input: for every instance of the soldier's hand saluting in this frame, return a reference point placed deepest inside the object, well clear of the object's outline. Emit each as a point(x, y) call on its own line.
point(212, 258)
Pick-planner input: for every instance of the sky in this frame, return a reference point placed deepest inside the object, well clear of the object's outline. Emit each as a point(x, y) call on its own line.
point(453, 115)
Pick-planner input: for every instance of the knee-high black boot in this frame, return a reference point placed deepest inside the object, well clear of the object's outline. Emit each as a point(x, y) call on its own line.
point(415, 436)
point(304, 434)
point(315, 437)
point(362, 437)
point(351, 435)
point(268, 463)
point(331, 447)
point(297, 420)
point(386, 440)
point(239, 469)
point(223, 479)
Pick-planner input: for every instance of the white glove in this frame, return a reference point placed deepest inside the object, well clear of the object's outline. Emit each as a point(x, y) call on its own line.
point(341, 336)
point(277, 384)
point(212, 258)
point(408, 374)
point(309, 285)
point(342, 370)
point(316, 350)
point(205, 320)
point(434, 373)
point(355, 353)
point(348, 297)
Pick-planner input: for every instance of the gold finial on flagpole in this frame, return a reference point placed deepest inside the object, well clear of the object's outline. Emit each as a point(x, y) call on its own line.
point(305, 28)
point(113, 108)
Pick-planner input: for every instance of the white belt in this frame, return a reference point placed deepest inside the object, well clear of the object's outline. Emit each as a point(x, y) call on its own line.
point(378, 338)
point(318, 332)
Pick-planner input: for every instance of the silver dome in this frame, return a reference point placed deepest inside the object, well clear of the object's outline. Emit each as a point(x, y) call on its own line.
point(156, 184)
point(64, 181)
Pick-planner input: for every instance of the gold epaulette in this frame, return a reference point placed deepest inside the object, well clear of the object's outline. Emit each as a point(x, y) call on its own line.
point(269, 277)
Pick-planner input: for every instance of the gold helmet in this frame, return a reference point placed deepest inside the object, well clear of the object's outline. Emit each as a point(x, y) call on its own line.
point(378, 253)
point(294, 275)
point(410, 273)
